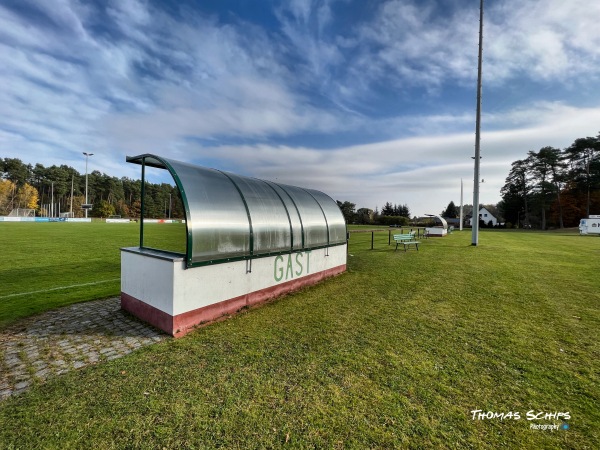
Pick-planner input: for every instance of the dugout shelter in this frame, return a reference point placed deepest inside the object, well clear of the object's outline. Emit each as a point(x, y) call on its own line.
point(247, 240)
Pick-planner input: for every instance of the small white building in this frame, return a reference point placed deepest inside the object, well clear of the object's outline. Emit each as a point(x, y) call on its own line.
point(486, 216)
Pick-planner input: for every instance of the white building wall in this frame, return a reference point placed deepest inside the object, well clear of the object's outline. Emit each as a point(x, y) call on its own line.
point(486, 216)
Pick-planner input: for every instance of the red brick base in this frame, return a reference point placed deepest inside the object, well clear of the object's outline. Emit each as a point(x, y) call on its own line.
point(182, 324)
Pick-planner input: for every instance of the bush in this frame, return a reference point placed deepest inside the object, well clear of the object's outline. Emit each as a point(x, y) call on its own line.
point(102, 209)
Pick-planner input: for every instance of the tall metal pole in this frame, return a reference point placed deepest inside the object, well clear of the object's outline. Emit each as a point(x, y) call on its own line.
point(71, 209)
point(87, 155)
point(52, 201)
point(461, 204)
point(587, 210)
point(475, 215)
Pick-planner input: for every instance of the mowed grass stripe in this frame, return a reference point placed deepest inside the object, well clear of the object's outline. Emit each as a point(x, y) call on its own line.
point(60, 288)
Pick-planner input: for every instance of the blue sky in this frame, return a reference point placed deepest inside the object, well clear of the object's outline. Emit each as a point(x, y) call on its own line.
point(369, 101)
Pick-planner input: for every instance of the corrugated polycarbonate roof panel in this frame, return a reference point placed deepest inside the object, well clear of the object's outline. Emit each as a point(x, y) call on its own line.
point(271, 230)
point(216, 214)
point(231, 217)
point(314, 222)
point(336, 224)
point(294, 215)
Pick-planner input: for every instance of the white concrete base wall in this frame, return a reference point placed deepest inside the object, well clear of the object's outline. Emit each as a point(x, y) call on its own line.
point(149, 279)
point(165, 283)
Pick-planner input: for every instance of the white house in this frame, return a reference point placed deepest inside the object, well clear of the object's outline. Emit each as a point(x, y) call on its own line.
point(486, 216)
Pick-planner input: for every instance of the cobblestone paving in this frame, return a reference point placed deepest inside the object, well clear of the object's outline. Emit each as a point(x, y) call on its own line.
point(66, 339)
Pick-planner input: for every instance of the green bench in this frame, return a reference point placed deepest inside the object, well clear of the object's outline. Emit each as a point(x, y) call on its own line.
point(407, 240)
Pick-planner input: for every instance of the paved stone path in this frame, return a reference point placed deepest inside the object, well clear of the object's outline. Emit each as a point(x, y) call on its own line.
point(68, 338)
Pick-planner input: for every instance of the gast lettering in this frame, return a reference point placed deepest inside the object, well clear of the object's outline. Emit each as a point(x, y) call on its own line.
point(294, 266)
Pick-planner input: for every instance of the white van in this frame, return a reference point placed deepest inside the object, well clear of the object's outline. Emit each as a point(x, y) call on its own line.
point(591, 225)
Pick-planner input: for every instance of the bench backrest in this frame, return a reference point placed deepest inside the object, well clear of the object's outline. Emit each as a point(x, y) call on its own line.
point(404, 237)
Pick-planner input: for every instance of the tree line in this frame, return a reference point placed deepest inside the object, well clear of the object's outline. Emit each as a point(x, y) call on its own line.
point(39, 188)
point(554, 187)
point(389, 215)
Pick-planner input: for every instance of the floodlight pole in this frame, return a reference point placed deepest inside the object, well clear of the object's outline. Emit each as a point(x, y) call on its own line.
point(461, 204)
point(475, 214)
point(72, 180)
point(87, 155)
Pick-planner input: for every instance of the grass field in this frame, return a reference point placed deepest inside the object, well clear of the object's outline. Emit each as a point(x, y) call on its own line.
point(47, 265)
point(394, 353)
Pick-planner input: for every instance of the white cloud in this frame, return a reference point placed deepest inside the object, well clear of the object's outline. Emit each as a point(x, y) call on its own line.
point(545, 40)
point(130, 14)
point(423, 172)
point(64, 14)
point(411, 43)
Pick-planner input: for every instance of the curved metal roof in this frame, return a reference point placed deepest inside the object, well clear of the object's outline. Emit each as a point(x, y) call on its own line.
point(231, 217)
